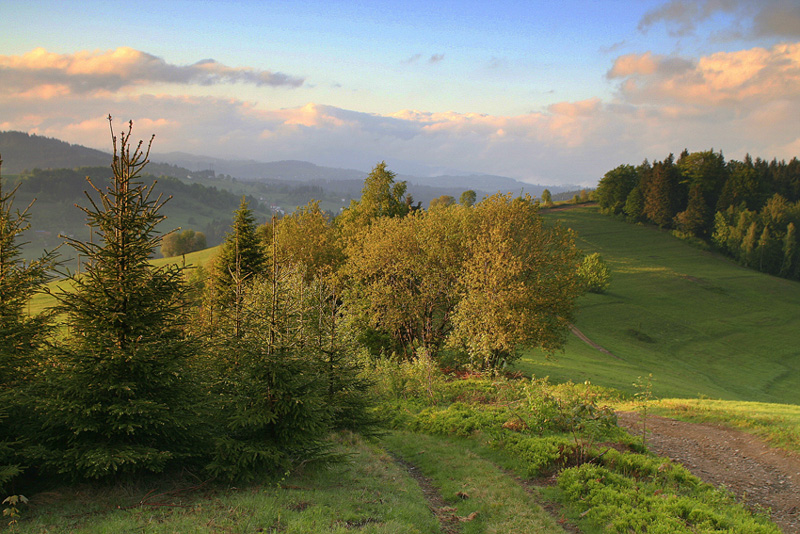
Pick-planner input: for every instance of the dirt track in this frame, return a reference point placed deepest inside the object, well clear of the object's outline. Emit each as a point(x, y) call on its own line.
point(759, 475)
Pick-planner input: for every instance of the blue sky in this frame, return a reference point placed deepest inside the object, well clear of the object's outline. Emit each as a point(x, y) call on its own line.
point(540, 91)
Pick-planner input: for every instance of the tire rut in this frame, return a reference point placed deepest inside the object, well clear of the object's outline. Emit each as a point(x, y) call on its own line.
point(448, 521)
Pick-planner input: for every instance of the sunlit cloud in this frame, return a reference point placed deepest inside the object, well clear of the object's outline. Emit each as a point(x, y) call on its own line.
point(44, 74)
point(723, 78)
point(744, 101)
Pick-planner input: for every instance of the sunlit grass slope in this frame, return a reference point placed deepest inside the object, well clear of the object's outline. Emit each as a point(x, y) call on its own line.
point(194, 259)
point(699, 323)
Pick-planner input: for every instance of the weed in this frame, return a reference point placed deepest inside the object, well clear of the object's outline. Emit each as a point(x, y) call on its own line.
point(644, 395)
point(11, 511)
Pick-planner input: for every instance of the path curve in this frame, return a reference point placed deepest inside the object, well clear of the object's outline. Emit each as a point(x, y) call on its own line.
point(759, 475)
point(580, 335)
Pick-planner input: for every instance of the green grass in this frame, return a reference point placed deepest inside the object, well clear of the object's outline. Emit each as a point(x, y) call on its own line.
point(485, 498)
point(702, 325)
point(370, 493)
point(41, 301)
point(599, 488)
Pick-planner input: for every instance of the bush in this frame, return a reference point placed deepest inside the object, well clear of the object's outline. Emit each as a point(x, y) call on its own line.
point(647, 502)
point(595, 273)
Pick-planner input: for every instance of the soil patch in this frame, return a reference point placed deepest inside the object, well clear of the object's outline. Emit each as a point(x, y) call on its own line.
point(762, 477)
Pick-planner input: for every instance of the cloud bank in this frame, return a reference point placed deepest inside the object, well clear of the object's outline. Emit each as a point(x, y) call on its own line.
point(743, 101)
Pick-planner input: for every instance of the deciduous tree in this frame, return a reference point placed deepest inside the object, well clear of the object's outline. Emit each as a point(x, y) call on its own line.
point(595, 273)
point(308, 239)
point(441, 202)
point(404, 277)
point(614, 188)
point(547, 198)
point(518, 284)
point(468, 198)
point(179, 243)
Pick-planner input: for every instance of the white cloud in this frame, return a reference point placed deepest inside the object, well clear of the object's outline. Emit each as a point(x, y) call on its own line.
point(43, 74)
point(733, 79)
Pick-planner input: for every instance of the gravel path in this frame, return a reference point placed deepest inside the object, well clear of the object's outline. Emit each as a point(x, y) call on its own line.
point(759, 475)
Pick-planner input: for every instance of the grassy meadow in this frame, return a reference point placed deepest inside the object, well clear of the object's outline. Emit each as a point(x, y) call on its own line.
point(195, 259)
point(480, 456)
point(702, 325)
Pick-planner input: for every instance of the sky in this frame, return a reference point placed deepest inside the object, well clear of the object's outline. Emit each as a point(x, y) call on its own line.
point(553, 93)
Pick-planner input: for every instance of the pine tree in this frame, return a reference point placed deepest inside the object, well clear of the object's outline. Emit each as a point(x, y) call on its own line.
point(20, 334)
point(120, 397)
point(240, 261)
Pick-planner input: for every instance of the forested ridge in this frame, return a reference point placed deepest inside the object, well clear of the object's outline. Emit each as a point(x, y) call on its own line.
point(746, 209)
point(56, 192)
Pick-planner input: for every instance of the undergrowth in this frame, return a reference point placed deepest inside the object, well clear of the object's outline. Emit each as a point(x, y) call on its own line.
point(606, 480)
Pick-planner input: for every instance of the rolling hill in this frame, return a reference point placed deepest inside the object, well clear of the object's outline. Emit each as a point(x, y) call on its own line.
point(701, 324)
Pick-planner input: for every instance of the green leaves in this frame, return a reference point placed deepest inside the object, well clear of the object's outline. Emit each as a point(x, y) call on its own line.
point(595, 273)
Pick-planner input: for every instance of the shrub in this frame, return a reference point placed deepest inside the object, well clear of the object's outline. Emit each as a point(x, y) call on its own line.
point(617, 503)
point(595, 273)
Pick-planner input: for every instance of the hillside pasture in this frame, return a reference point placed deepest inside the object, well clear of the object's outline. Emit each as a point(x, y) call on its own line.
point(701, 324)
point(41, 301)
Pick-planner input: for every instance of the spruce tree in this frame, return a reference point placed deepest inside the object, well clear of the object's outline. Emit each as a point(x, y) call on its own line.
point(694, 220)
point(20, 334)
point(242, 258)
point(381, 196)
point(119, 398)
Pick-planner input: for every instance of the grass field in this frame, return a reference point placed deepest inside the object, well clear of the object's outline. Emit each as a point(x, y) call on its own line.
point(367, 493)
point(702, 325)
point(42, 300)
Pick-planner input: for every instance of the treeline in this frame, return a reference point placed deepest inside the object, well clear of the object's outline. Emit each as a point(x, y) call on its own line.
point(245, 367)
point(747, 209)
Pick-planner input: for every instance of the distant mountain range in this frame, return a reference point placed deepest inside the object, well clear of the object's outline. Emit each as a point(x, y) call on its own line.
point(21, 152)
